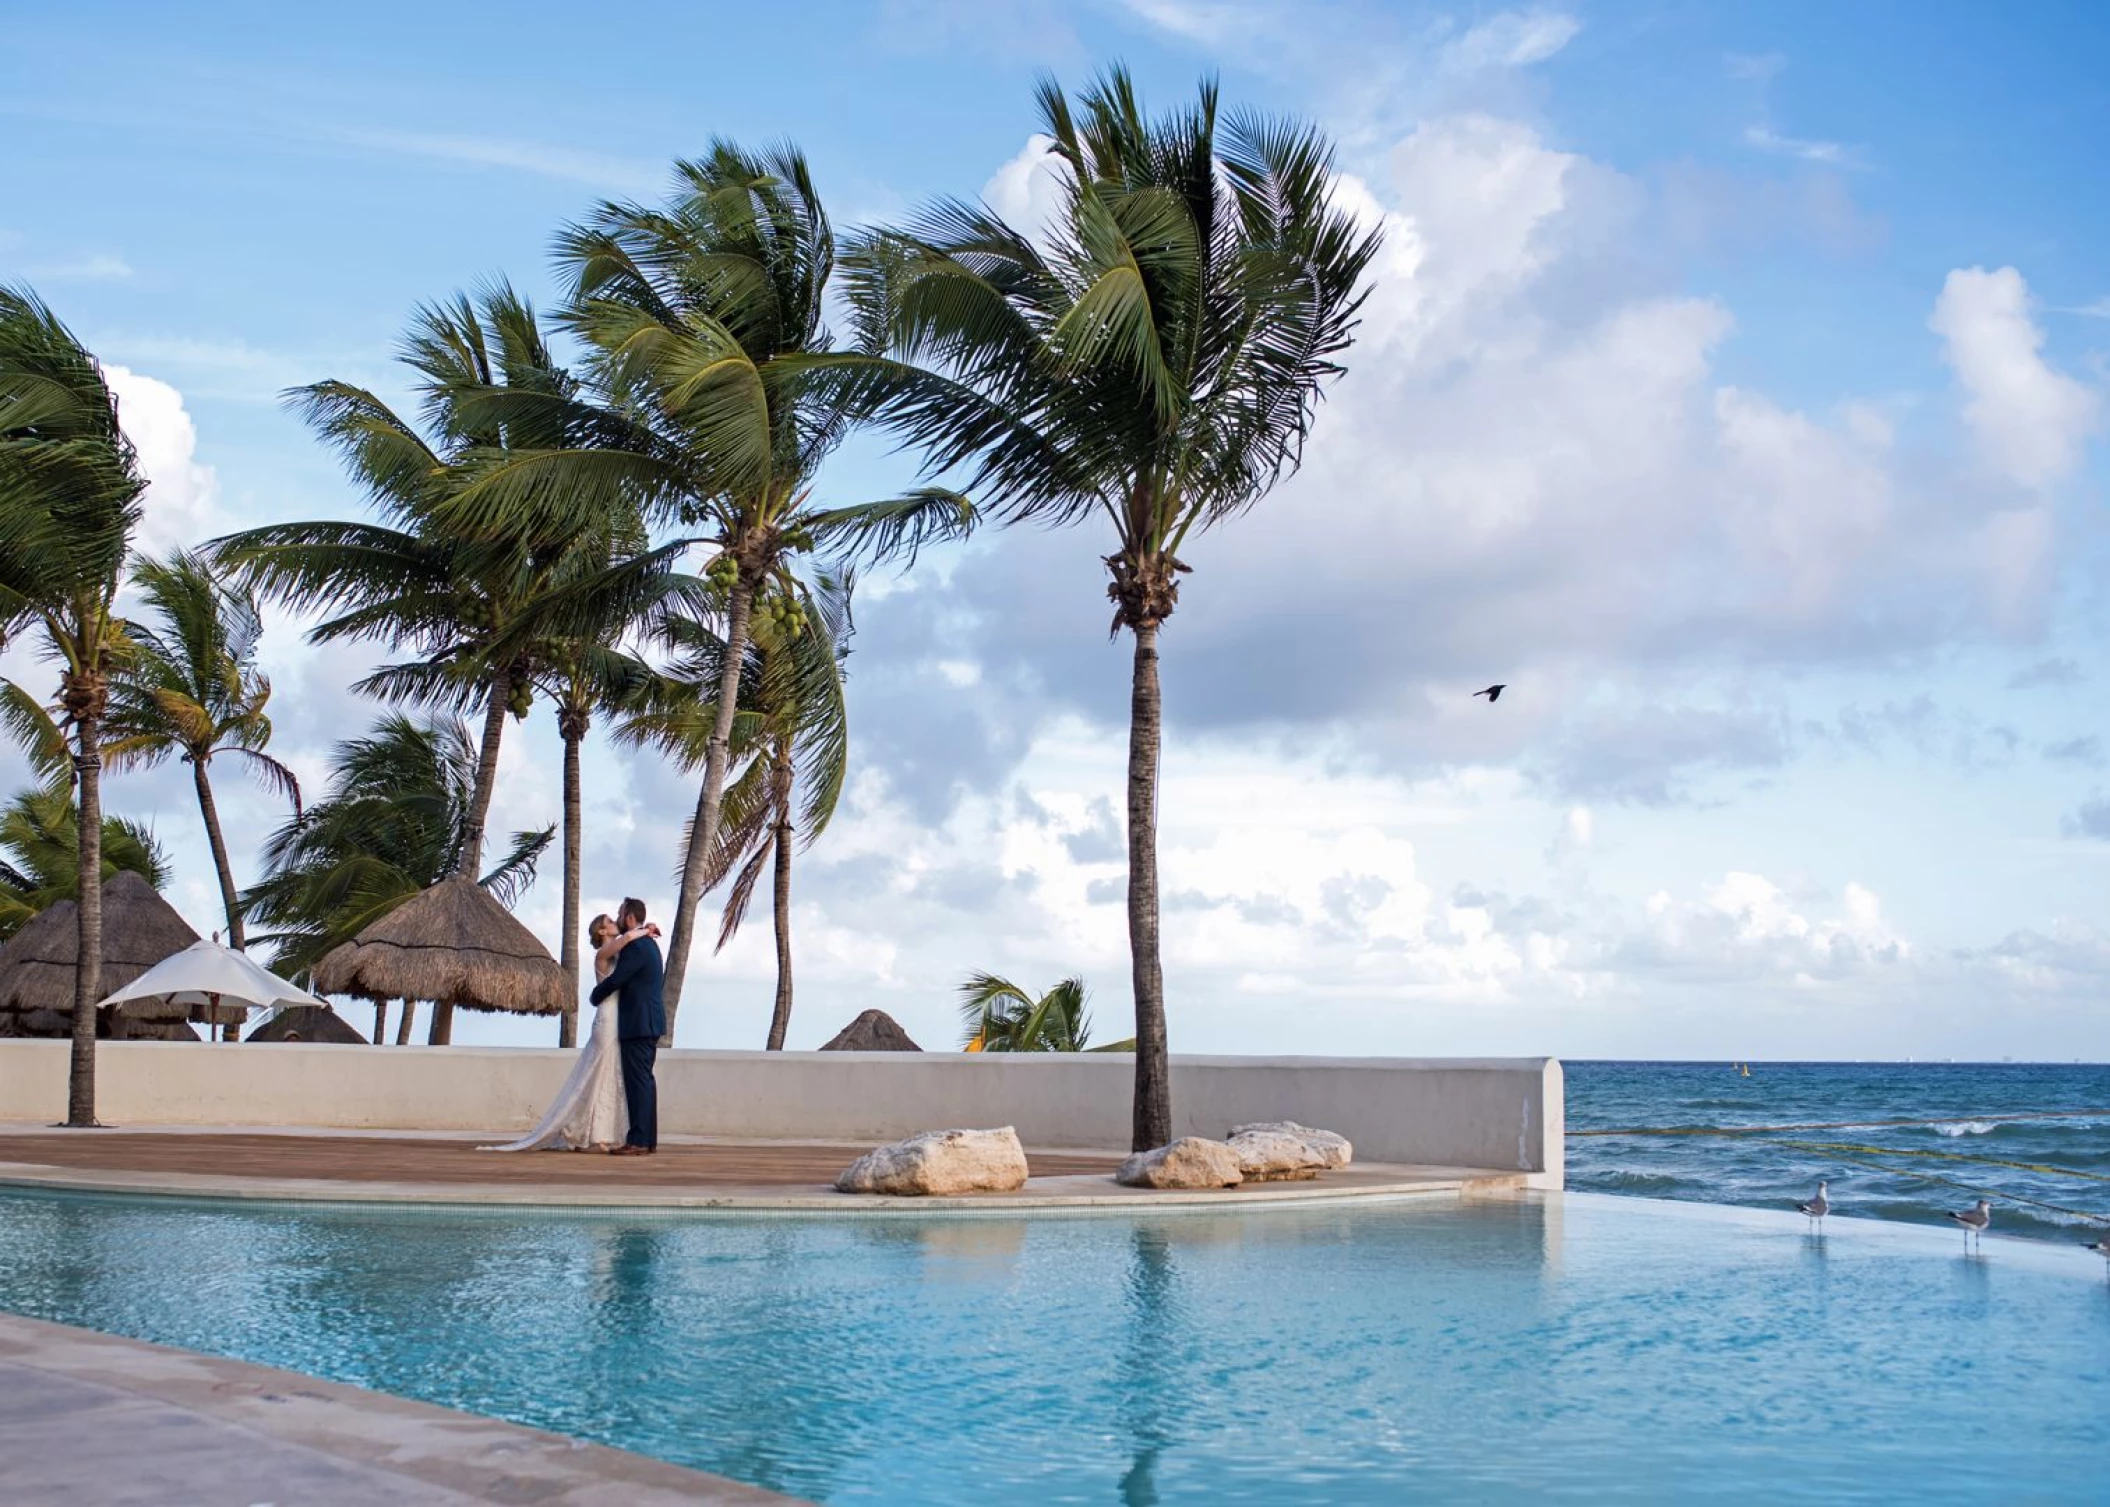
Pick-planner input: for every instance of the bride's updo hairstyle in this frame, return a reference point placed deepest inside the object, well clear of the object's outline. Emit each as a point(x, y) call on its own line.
point(600, 928)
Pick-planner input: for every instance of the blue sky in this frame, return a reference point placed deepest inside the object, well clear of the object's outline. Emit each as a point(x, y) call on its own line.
point(1732, 388)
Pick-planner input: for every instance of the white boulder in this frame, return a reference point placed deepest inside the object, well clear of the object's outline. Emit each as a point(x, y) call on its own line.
point(1269, 1156)
point(1189, 1162)
point(939, 1162)
point(1333, 1151)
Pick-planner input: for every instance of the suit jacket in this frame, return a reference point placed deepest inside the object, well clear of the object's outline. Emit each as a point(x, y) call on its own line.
point(638, 982)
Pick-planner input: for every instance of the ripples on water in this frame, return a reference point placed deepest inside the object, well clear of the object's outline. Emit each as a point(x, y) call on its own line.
point(1582, 1350)
point(1871, 1173)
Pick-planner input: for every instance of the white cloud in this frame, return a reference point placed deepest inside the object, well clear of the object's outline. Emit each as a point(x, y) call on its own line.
point(96, 267)
point(598, 170)
point(2029, 418)
point(1512, 39)
point(182, 502)
point(1026, 191)
point(1766, 139)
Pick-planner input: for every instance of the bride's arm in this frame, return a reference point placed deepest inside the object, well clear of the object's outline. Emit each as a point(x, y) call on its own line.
point(608, 949)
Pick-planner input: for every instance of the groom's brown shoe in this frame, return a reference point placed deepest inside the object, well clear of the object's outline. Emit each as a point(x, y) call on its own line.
point(631, 1151)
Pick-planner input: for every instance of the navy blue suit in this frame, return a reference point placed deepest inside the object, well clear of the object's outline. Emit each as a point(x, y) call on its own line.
point(638, 981)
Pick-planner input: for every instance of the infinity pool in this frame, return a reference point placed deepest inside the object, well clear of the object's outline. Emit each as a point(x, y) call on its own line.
point(1579, 1348)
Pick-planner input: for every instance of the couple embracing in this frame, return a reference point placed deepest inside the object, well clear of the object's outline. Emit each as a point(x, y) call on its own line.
point(610, 1102)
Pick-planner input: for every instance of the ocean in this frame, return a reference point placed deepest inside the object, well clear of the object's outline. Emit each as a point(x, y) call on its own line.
point(1898, 1140)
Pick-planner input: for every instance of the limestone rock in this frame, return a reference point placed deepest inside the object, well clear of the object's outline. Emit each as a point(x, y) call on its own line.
point(1273, 1156)
point(1333, 1151)
point(941, 1161)
point(873, 1031)
point(1189, 1162)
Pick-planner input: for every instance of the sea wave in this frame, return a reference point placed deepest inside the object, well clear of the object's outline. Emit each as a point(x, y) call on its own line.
point(1955, 1128)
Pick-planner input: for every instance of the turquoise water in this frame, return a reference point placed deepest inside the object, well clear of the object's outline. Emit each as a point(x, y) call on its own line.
point(1578, 1349)
point(1910, 1173)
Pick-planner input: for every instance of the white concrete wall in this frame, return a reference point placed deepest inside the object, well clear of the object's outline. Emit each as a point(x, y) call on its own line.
point(1477, 1112)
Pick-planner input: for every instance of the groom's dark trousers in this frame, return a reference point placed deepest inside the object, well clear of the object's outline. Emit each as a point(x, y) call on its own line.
point(638, 981)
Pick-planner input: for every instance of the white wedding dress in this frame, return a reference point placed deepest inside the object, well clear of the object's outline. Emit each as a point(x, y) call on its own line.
point(589, 1110)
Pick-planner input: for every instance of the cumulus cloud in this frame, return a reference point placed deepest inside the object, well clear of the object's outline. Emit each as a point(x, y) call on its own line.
point(2029, 418)
point(1026, 191)
point(1533, 473)
point(2046, 672)
point(182, 502)
point(1746, 928)
point(2091, 821)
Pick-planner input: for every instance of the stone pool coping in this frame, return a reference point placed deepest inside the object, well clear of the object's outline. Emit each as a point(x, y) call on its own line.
point(91, 1419)
point(1069, 1191)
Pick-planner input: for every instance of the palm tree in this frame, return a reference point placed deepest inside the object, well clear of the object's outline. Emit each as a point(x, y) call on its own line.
point(40, 854)
point(999, 1016)
point(190, 689)
point(39, 735)
point(1155, 361)
point(427, 577)
point(579, 677)
point(395, 820)
point(700, 316)
point(791, 728)
point(69, 500)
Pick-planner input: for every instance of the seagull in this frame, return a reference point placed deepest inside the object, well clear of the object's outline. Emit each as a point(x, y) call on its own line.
point(1493, 693)
point(1819, 1206)
point(1974, 1219)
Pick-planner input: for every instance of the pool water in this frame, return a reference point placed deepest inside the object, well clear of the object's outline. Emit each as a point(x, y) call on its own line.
point(1578, 1348)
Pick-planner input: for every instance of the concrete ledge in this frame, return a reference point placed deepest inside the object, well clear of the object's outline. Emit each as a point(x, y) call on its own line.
point(1503, 1114)
point(92, 1420)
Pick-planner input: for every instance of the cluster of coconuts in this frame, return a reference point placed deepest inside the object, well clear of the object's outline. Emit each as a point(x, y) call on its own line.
point(723, 572)
point(784, 614)
point(521, 700)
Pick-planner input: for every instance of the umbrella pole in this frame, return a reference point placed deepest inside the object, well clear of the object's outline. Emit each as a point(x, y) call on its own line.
point(380, 1021)
point(410, 1010)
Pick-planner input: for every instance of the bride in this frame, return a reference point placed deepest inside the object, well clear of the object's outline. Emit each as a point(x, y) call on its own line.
point(588, 1113)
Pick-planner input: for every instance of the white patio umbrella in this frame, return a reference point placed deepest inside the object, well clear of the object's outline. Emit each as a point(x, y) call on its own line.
point(207, 973)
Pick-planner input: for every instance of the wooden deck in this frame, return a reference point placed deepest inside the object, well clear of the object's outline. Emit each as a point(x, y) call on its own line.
point(454, 1163)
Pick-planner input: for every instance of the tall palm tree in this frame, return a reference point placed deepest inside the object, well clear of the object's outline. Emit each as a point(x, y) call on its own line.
point(1155, 361)
point(69, 499)
point(191, 689)
point(580, 677)
point(792, 731)
point(40, 854)
point(394, 821)
point(40, 737)
point(700, 315)
point(427, 577)
point(999, 1016)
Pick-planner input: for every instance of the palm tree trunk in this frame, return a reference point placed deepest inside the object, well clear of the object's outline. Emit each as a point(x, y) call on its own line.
point(471, 858)
point(781, 777)
point(88, 971)
point(211, 812)
point(1153, 1107)
point(704, 830)
point(574, 730)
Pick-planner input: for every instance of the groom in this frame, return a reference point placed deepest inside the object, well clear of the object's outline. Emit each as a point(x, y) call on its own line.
point(640, 1018)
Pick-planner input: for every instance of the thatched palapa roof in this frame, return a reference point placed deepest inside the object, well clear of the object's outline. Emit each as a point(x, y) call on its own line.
point(307, 1023)
point(139, 930)
point(873, 1031)
point(453, 944)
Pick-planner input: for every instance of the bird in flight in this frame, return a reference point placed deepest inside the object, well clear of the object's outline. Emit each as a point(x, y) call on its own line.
point(1493, 693)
